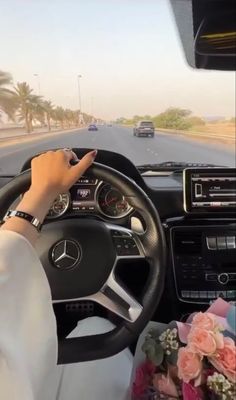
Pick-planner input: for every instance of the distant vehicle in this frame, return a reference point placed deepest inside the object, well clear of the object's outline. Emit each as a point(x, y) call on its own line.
point(92, 127)
point(109, 124)
point(144, 128)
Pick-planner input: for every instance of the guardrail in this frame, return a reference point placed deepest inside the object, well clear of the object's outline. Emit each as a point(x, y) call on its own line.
point(225, 137)
point(207, 135)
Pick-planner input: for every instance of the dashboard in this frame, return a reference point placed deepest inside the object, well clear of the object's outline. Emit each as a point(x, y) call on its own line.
point(197, 210)
point(91, 196)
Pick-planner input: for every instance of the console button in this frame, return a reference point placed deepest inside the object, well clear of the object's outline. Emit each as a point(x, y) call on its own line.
point(211, 294)
point(223, 278)
point(230, 242)
point(231, 294)
point(203, 294)
point(221, 294)
point(185, 294)
point(211, 277)
point(194, 294)
point(221, 242)
point(211, 243)
point(232, 276)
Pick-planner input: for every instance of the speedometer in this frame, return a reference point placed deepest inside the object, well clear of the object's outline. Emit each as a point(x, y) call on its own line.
point(59, 206)
point(112, 203)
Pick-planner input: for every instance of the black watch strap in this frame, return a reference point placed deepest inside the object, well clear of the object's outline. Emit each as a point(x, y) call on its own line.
point(27, 217)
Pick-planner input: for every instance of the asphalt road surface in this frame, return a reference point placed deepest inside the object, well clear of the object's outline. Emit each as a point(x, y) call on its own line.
point(164, 147)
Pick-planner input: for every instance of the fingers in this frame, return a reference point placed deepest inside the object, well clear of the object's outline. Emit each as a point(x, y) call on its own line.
point(79, 169)
point(69, 155)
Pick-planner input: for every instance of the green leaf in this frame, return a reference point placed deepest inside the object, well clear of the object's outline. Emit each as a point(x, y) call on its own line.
point(153, 351)
point(156, 355)
point(172, 358)
point(148, 344)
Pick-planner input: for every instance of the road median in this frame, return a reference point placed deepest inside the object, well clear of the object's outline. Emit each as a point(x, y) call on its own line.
point(19, 136)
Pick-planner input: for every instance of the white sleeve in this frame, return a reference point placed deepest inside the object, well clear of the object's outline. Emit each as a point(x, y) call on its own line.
point(28, 339)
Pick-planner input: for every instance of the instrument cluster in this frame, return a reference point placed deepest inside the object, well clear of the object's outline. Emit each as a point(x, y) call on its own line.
point(91, 196)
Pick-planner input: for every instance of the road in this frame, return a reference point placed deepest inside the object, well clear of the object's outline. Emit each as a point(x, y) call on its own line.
point(163, 147)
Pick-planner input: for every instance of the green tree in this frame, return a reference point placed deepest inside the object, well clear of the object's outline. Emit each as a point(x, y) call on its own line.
point(38, 113)
point(48, 108)
point(59, 116)
point(26, 104)
point(173, 118)
point(120, 120)
point(88, 118)
point(7, 100)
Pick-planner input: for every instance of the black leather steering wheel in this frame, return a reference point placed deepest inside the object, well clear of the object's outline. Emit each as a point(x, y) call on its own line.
point(95, 247)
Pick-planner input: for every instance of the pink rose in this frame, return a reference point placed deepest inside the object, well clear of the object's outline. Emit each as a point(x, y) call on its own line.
point(189, 364)
point(165, 385)
point(143, 378)
point(190, 392)
point(202, 341)
point(204, 320)
point(225, 359)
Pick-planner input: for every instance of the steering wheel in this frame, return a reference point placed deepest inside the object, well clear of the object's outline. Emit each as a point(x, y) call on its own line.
point(80, 256)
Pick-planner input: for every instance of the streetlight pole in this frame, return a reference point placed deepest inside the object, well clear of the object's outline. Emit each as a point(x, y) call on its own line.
point(79, 98)
point(92, 106)
point(38, 82)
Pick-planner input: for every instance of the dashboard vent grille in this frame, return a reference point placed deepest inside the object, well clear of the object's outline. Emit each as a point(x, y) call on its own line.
point(187, 242)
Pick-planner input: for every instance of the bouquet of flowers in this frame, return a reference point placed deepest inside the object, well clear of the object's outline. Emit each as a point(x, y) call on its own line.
point(195, 360)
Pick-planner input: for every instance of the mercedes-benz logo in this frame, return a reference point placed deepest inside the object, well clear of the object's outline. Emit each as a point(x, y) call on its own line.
point(66, 254)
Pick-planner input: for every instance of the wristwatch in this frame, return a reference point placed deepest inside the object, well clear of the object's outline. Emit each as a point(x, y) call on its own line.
point(27, 217)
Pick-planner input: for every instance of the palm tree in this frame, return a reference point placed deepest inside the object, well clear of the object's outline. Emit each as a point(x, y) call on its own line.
point(7, 102)
point(59, 116)
point(27, 103)
point(38, 114)
point(48, 108)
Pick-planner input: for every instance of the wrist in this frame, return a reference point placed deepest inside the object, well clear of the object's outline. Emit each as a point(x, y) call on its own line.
point(36, 203)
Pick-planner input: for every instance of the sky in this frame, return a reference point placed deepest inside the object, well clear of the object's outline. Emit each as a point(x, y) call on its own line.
point(127, 51)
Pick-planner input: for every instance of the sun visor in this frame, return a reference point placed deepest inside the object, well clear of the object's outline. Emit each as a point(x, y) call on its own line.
point(207, 30)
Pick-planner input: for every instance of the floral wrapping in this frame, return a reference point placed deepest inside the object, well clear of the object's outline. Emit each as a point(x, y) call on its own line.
point(195, 360)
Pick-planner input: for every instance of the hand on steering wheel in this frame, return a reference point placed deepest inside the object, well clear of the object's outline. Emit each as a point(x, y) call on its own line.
point(96, 255)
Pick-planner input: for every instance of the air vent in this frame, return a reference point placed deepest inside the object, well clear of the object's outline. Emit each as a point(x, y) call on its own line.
point(187, 242)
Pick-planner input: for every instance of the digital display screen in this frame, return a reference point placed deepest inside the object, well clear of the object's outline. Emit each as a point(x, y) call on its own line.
point(210, 190)
point(81, 193)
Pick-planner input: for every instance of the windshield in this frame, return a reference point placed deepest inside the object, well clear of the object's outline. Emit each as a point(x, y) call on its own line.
point(67, 65)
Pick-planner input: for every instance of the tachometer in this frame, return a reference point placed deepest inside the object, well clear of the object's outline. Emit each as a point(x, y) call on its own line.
point(59, 206)
point(112, 203)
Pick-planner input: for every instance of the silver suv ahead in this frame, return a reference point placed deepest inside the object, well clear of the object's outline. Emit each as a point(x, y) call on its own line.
point(144, 128)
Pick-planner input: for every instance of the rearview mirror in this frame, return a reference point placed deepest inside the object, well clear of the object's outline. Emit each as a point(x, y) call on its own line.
point(207, 29)
point(217, 36)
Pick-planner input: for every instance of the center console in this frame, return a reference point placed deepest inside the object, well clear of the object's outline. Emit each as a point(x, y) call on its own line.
point(204, 262)
point(204, 255)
